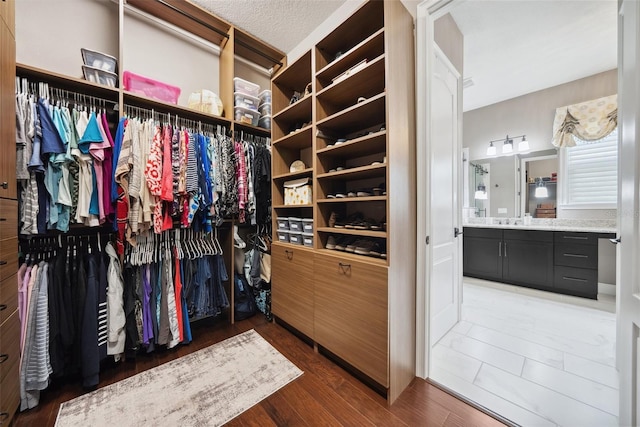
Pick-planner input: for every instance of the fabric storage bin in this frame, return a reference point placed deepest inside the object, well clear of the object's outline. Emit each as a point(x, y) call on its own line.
point(295, 237)
point(295, 224)
point(265, 109)
point(283, 223)
point(152, 88)
point(265, 122)
point(307, 239)
point(307, 225)
point(246, 87)
point(265, 96)
point(99, 60)
point(246, 101)
point(283, 236)
point(298, 192)
point(246, 115)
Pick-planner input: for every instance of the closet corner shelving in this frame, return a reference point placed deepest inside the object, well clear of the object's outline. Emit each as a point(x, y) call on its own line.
point(240, 55)
point(360, 138)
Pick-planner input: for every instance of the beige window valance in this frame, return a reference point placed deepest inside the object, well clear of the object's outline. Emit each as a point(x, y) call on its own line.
point(589, 121)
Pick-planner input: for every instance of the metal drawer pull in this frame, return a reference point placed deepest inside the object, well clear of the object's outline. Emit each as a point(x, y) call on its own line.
point(3, 307)
point(3, 219)
point(499, 248)
point(3, 262)
point(289, 254)
point(5, 185)
point(576, 255)
point(575, 237)
point(3, 358)
point(505, 249)
point(573, 279)
point(344, 268)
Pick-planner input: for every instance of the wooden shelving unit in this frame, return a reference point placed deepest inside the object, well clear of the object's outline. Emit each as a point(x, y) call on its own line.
point(359, 136)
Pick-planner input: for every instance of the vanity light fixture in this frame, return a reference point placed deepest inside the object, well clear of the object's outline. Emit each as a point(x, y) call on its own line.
point(541, 189)
point(481, 192)
point(508, 147)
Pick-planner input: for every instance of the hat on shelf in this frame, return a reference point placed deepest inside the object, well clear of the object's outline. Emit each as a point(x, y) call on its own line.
point(297, 166)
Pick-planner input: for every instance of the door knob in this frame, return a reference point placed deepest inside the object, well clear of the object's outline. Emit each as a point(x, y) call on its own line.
point(5, 185)
point(615, 241)
point(457, 232)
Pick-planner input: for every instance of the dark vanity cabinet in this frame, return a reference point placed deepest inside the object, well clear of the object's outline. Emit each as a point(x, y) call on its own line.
point(576, 264)
point(482, 253)
point(527, 257)
point(563, 262)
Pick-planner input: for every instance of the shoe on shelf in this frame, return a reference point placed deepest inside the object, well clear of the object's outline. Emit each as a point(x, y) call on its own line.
point(353, 219)
point(363, 193)
point(331, 243)
point(355, 244)
point(352, 193)
point(331, 196)
point(341, 141)
point(343, 242)
point(332, 219)
point(364, 247)
point(378, 249)
point(375, 225)
point(340, 195)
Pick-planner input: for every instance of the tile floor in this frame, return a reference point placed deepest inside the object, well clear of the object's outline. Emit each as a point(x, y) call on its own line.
point(535, 358)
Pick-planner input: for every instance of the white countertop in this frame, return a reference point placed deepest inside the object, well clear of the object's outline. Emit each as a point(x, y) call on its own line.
point(545, 224)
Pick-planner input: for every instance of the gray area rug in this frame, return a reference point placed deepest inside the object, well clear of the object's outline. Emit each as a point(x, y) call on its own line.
point(205, 388)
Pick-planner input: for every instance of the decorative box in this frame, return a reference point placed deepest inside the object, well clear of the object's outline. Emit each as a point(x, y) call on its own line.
point(298, 192)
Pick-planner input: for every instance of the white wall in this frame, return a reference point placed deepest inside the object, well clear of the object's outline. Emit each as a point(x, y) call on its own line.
point(49, 34)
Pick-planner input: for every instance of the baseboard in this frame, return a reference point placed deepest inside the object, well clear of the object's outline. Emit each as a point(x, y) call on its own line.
point(606, 288)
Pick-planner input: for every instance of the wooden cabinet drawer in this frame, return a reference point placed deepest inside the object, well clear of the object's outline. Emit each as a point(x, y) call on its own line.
point(292, 286)
point(351, 320)
point(576, 280)
point(8, 219)
point(8, 297)
point(8, 257)
point(9, 344)
point(575, 237)
point(10, 396)
point(576, 255)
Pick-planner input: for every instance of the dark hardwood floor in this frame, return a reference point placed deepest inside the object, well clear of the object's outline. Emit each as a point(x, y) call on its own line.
point(326, 395)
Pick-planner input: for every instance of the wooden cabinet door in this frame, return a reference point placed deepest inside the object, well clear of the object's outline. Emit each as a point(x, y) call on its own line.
point(482, 257)
point(7, 114)
point(9, 346)
point(292, 286)
point(351, 317)
point(528, 263)
point(8, 15)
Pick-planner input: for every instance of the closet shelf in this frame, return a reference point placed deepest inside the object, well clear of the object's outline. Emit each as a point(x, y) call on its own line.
point(368, 171)
point(291, 206)
point(291, 175)
point(354, 199)
point(135, 100)
point(364, 233)
point(297, 75)
point(298, 140)
point(71, 84)
point(364, 145)
point(365, 82)
point(370, 47)
point(297, 112)
point(359, 116)
point(253, 130)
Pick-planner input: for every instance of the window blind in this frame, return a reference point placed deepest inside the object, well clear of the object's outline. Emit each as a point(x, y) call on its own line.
point(592, 171)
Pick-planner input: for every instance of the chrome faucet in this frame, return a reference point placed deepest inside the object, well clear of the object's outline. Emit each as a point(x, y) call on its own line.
point(506, 221)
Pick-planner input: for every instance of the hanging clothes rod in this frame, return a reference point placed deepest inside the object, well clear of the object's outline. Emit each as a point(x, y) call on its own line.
point(25, 85)
point(193, 18)
point(259, 52)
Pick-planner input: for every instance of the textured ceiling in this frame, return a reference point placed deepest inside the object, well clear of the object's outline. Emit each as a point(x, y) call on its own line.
point(281, 23)
point(516, 47)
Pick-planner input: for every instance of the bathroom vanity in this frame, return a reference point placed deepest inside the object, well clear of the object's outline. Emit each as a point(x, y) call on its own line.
point(554, 256)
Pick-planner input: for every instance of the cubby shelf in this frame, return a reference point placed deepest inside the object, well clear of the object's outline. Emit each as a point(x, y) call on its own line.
point(291, 206)
point(354, 199)
point(294, 140)
point(299, 111)
point(369, 48)
point(293, 175)
point(354, 257)
point(373, 143)
point(365, 82)
point(359, 116)
point(364, 233)
point(361, 172)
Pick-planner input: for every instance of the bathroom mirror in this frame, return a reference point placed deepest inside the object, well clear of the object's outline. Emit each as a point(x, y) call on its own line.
point(506, 182)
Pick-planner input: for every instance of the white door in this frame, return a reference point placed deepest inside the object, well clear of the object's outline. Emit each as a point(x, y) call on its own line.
point(444, 167)
point(628, 250)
